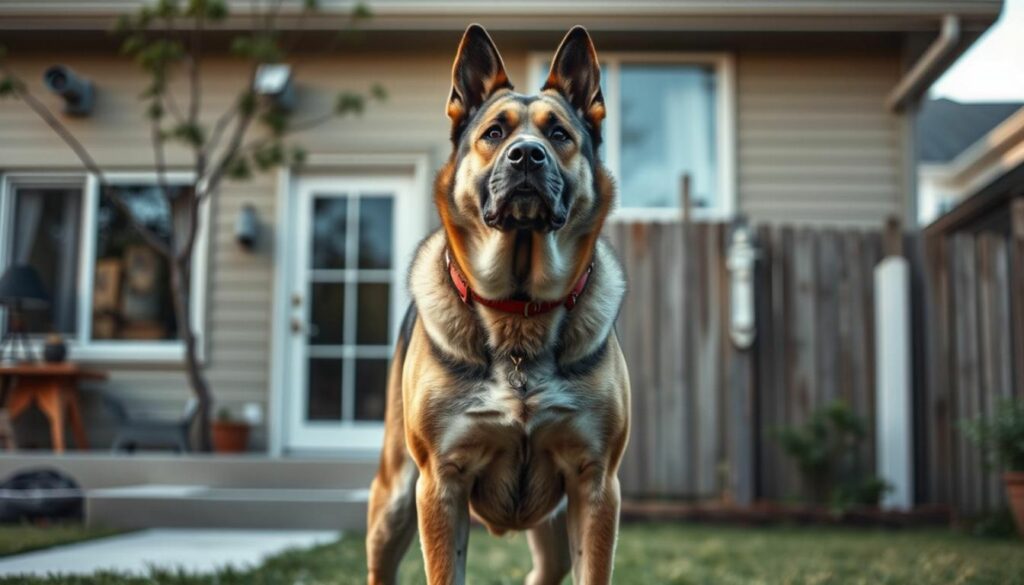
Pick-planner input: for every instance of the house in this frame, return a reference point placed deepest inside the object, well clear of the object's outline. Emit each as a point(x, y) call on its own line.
point(797, 112)
point(955, 140)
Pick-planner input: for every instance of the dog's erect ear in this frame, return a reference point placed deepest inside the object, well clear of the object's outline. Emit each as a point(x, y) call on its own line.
point(478, 72)
point(576, 74)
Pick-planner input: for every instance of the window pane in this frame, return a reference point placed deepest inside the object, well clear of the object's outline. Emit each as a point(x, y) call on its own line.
point(373, 321)
point(323, 397)
point(132, 286)
point(668, 129)
point(330, 217)
point(375, 232)
point(328, 311)
point(45, 236)
point(371, 387)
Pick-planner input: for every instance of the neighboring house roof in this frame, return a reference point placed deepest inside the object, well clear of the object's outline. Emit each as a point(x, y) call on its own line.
point(946, 128)
point(984, 175)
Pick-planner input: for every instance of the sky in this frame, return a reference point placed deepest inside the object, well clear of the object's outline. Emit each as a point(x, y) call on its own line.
point(992, 70)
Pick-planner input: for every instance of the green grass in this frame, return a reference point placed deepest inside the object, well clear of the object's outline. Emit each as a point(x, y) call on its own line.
point(19, 539)
point(652, 554)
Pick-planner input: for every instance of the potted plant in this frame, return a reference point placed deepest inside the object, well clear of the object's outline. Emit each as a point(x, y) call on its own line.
point(1002, 438)
point(54, 348)
point(229, 435)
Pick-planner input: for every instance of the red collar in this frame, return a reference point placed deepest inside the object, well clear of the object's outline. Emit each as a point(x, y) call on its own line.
point(524, 308)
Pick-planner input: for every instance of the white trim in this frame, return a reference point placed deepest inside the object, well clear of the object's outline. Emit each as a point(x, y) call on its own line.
point(725, 126)
point(990, 157)
point(418, 167)
point(82, 347)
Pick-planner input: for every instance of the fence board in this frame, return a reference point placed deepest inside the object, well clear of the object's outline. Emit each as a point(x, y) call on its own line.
point(705, 413)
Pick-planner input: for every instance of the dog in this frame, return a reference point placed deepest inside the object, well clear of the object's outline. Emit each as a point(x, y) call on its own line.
point(508, 394)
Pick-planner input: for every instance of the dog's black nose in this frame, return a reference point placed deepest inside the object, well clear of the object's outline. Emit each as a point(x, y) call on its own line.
point(526, 156)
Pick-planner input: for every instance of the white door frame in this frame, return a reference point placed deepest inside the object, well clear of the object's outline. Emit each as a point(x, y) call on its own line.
point(410, 172)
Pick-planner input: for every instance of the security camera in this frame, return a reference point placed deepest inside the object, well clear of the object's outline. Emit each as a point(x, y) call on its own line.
point(76, 91)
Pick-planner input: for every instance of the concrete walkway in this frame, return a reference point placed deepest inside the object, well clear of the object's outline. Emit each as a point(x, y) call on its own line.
point(194, 550)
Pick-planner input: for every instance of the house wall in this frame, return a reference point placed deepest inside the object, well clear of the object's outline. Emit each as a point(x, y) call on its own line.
point(815, 142)
point(814, 145)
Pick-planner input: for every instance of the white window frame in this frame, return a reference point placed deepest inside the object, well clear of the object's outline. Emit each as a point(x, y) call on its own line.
point(725, 125)
point(81, 346)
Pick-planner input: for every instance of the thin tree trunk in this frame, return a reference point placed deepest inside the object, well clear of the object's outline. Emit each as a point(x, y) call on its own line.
point(181, 280)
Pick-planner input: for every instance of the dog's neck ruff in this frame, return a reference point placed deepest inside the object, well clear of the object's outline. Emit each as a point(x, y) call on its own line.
point(513, 306)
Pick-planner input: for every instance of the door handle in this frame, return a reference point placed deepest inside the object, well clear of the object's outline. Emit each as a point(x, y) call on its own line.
point(311, 328)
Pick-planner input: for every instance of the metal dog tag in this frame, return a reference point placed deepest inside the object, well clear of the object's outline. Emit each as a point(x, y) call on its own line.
point(516, 376)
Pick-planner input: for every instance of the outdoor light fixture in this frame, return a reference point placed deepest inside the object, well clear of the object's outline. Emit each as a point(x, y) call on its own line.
point(273, 81)
point(247, 227)
point(76, 91)
point(742, 257)
point(20, 288)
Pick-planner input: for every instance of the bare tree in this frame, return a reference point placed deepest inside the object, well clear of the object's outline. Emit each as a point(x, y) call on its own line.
point(166, 40)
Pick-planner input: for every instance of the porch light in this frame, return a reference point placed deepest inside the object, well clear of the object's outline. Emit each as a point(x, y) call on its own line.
point(742, 257)
point(273, 81)
point(76, 91)
point(247, 227)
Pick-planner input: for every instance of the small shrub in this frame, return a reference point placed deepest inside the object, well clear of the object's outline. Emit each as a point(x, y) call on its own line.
point(825, 449)
point(1001, 435)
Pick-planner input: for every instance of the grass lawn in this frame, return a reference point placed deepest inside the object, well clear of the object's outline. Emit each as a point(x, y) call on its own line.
point(652, 554)
point(19, 539)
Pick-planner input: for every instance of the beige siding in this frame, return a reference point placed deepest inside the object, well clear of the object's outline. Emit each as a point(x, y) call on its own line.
point(815, 142)
point(241, 283)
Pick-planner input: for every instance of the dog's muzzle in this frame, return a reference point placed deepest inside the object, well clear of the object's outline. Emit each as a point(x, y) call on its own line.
point(525, 187)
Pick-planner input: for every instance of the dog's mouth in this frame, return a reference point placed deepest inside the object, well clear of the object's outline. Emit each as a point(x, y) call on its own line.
point(524, 207)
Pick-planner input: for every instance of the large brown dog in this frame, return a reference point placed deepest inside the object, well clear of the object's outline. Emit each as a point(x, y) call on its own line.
point(508, 394)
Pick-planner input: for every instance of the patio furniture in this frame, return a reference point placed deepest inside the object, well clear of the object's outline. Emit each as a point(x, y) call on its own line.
point(135, 431)
point(54, 389)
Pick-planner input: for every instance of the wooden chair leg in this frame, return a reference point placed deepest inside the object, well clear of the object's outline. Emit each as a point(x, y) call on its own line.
point(77, 427)
point(7, 431)
point(52, 404)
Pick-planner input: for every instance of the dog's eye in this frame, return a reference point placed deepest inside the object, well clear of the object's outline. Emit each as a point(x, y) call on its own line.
point(494, 133)
point(558, 134)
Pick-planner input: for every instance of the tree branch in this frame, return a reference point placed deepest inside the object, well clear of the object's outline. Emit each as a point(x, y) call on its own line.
point(295, 128)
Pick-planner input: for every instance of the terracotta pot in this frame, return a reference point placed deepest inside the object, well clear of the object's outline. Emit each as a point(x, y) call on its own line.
point(230, 437)
point(1014, 481)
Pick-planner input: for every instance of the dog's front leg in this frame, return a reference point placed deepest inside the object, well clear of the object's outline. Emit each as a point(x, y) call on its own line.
point(593, 526)
point(442, 506)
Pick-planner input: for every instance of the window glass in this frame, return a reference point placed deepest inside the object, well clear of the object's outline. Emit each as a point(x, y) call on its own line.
point(668, 129)
point(45, 236)
point(131, 285)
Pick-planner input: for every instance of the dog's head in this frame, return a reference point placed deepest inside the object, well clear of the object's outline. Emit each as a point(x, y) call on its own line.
point(525, 163)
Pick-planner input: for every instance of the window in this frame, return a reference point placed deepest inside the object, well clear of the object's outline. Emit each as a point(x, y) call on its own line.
point(351, 271)
point(669, 115)
point(109, 290)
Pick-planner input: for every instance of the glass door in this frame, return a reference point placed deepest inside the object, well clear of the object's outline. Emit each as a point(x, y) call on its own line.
point(349, 294)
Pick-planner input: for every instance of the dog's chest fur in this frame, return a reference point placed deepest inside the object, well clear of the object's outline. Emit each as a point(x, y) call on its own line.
point(514, 443)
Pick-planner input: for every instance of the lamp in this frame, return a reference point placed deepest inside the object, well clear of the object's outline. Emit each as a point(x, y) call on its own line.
point(20, 288)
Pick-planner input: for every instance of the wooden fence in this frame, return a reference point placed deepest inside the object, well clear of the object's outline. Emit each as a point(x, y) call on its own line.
point(971, 355)
point(704, 411)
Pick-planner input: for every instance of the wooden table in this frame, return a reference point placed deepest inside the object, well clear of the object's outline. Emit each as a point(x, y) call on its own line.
point(54, 389)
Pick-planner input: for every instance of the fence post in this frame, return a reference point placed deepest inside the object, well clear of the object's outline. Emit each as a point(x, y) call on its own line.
point(740, 382)
point(1017, 292)
point(893, 401)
